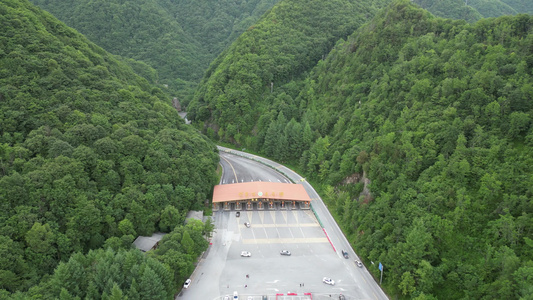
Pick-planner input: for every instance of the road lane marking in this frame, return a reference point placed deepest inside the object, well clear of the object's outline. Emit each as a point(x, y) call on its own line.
point(234, 173)
point(287, 225)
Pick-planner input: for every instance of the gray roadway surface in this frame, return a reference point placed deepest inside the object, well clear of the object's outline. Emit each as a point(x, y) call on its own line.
point(222, 270)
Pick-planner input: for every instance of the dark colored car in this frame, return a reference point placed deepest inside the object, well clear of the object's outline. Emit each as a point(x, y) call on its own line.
point(345, 254)
point(238, 214)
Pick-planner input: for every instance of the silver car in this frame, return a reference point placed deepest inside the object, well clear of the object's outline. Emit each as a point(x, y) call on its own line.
point(358, 263)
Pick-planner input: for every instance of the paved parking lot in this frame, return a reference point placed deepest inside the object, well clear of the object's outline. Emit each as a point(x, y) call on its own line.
point(223, 271)
point(280, 227)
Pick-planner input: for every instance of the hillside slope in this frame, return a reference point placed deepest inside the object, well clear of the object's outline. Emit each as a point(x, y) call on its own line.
point(90, 153)
point(437, 114)
point(259, 75)
point(178, 38)
point(285, 43)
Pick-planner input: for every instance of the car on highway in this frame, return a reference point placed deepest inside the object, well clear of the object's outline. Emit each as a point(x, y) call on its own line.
point(285, 252)
point(345, 254)
point(341, 297)
point(235, 296)
point(328, 280)
point(187, 283)
point(247, 224)
point(226, 297)
point(246, 254)
point(238, 214)
point(358, 263)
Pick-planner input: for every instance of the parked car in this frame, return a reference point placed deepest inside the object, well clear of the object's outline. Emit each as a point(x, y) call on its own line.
point(285, 252)
point(345, 254)
point(358, 263)
point(238, 214)
point(246, 254)
point(328, 280)
point(187, 283)
point(247, 224)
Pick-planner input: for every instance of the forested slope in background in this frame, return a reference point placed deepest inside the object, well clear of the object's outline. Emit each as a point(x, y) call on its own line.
point(178, 38)
point(437, 114)
point(235, 95)
point(476, 9)
point(91, 154)
point(259, 75)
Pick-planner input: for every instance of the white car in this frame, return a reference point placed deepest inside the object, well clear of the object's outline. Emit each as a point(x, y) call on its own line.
point(246, 254)
point(187, 283)
point(328, 280)
point(285, 252)
point(358, 263)
point(226, 297)
point(247, 224)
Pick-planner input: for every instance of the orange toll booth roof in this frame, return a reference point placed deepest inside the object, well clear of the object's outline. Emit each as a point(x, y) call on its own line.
point(260, 190)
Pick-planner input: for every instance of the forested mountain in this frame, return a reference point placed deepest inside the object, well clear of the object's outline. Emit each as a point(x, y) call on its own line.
point(91, 154)
point(438, 115)
point(473, 10)
point(260, 72)
point(235, 94)
point(178, 38)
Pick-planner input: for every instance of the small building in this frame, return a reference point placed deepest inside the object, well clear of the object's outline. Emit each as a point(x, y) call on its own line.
point(147, 243)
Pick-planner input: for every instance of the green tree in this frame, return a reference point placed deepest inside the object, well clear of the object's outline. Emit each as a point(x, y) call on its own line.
point(170, 218)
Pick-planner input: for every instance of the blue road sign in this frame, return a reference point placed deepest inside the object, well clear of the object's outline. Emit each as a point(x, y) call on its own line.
point(380, 267)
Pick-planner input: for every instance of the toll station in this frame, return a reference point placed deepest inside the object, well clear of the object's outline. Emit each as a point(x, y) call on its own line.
point(260, 196)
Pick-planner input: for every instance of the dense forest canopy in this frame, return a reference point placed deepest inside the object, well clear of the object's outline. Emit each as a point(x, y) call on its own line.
point(178, 38)
point(262, 71)
point(281, 46)
point(473, 10)
point(91, 154)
